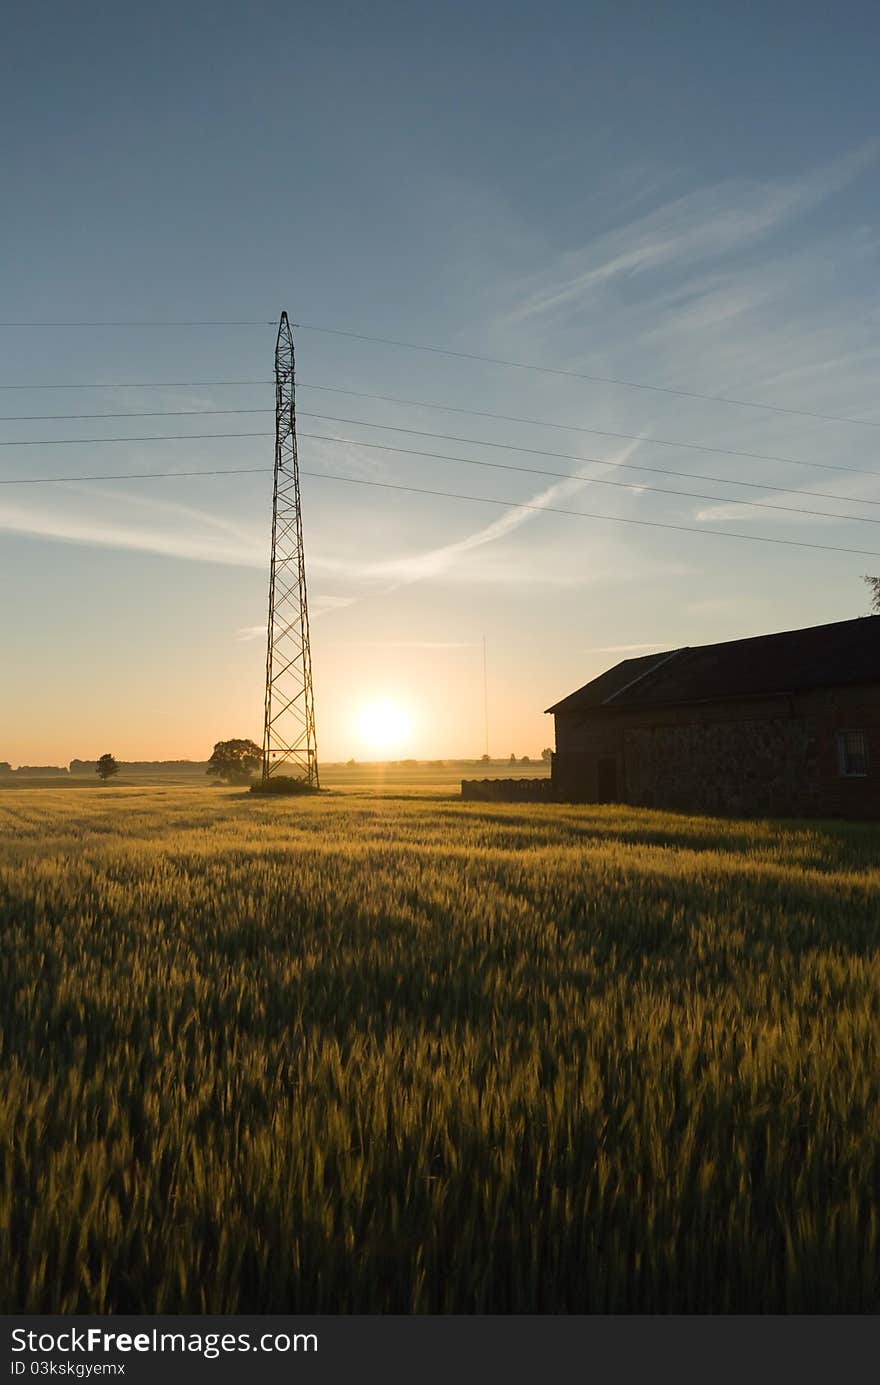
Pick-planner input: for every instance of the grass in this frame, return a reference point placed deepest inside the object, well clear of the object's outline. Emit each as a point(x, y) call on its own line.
point(355, 1053)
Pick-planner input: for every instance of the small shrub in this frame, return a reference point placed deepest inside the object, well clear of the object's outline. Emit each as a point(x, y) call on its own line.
point(283, 784)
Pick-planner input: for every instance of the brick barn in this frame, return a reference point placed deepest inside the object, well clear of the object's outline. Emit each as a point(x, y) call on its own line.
point(784, 725)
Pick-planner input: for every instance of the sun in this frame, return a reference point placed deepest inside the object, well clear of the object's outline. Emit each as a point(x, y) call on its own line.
point(383, 725)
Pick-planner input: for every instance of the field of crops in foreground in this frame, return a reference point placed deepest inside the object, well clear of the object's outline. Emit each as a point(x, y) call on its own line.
point(375, 1054)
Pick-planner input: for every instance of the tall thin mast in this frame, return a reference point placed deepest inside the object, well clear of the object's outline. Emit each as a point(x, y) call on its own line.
point(485, 698)
point(289, 741)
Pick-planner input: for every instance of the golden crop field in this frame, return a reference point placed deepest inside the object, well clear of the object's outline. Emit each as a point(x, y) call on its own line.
point(364, 1053)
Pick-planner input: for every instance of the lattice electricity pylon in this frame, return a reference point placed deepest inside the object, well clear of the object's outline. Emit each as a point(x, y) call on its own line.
point(289, 741)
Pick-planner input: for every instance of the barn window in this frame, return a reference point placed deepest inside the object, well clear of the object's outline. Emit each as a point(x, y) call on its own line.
point(852, 752)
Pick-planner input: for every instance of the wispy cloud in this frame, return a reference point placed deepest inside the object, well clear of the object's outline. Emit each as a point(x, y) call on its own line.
point(411, 644)
point(626, 648)
point(67, 528)
point(175, 508)
point(435, 562)
point(709, 223)
point(325, 602)
point(714, 606)
point(366, 463)
point(200, 536)
point(740, 514)
point(319, 605)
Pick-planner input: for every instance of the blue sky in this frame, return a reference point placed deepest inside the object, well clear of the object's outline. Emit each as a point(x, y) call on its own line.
point(683, 195)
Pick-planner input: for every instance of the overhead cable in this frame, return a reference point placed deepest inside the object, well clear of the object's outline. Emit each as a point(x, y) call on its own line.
point(471, 356)
point(414, 403)
point(475, 499)
point(635, 487)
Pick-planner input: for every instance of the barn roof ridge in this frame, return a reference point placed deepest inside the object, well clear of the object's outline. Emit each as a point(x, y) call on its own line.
point(646, 673)
point(832, 654)
point(607, 681)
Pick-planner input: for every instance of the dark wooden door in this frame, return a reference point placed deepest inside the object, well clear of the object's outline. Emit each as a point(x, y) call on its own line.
point(608, 781)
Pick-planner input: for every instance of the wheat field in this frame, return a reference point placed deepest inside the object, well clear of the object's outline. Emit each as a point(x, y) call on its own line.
point(405, 1054)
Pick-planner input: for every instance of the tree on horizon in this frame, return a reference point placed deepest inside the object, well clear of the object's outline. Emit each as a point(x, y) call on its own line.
point(107, 766)
point(235, 761)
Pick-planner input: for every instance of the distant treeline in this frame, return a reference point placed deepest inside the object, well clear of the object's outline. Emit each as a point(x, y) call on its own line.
point(6, 768)
point(144, 766)
point(151, 767)
point(91, 767)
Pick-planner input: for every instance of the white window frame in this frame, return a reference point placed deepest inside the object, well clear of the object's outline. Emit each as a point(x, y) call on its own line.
point(842, 760)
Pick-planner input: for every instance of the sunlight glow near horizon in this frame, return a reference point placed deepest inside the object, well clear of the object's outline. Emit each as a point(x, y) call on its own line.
point(383, 725)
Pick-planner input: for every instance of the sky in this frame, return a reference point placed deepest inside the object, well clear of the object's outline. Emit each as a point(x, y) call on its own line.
point(678, 195)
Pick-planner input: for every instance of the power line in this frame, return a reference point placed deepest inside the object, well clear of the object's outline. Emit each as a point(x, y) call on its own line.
point(149, 437)
point(444, 408)
point(506, 447)
point(447, 437)
point(192, 323)
point(582, 375)
point(148, 413)
point(586, 514)
point(132, 476)
point(143, 385)
point(502, 466)
point(485, 500)
point(472, 461)
point(476, 356)
point(577, 428)
point(541, 452)
point(656, 470)
point(596, 480)
point(476, 499)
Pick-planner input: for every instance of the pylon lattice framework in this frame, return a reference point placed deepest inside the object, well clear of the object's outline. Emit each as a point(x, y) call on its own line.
point(289, 740)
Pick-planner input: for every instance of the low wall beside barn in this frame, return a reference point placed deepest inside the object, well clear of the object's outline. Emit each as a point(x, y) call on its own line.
point(538, 790)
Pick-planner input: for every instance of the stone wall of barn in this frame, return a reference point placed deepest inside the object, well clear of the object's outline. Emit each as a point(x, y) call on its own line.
point(774, 756)
point(741, 767)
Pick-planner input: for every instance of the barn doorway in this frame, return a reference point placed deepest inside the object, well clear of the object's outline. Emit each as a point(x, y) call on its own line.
point(608, 780)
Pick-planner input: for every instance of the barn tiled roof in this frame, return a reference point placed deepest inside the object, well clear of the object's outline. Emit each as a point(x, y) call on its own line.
point(822, 656)
point(608, 684)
